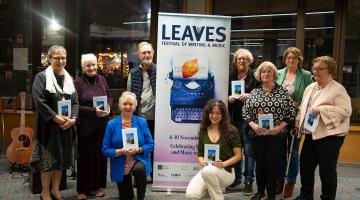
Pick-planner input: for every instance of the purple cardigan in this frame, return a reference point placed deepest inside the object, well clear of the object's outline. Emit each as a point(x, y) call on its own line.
point(88, 123)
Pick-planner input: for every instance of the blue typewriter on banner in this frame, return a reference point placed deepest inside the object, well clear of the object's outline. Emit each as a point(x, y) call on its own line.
point(188, 97)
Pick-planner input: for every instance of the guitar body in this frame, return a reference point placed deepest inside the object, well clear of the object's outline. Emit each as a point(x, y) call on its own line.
point(20, 149)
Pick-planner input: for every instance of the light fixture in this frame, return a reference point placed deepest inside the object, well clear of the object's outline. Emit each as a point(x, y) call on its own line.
point(54, 26)
point(282, 14)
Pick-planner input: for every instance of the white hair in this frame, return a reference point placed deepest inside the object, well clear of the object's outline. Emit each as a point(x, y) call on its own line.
point(87, 57)
point(126, 95)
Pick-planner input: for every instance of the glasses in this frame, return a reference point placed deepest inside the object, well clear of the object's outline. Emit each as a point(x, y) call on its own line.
point(318, 69)
point(59, 58)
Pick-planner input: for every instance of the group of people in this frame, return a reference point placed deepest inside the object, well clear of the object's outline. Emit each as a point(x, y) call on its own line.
point(288, 95)
point(97, 136)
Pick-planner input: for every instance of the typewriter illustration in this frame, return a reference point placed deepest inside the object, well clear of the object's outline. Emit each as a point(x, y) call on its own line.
point(193, 86)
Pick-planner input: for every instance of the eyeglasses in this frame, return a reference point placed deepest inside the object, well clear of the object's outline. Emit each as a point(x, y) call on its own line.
point(59, 58)
point(318, 69)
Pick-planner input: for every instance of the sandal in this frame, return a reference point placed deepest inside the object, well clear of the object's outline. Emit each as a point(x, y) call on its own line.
point(82, 196)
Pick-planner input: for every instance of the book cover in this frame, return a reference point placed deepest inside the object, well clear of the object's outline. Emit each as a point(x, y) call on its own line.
point(311, 122)
point(266, 121)
point(64, 108)
point(130, 138)
point(212, 153)
point(237, 88)
point(100, 102)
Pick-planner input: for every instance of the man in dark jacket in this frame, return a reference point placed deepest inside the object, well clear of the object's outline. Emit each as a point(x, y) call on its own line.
point(142, 82)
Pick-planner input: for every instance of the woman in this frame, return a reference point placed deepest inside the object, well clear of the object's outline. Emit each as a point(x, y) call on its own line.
point(52, 149)
point(329, 99)
point(124, 161)
point(215, 128)
point(242, 60)
point(271, 99)
point(295, 80)
point(91, 125)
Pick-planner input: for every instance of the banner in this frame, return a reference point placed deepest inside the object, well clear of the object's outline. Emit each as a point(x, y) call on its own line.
point(192, 67)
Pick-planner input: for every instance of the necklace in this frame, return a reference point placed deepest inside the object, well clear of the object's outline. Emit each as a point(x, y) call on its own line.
point(126, 120)
point(268, 90)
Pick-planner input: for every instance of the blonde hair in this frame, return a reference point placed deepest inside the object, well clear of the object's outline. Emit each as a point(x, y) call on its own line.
point(294, 51)
point(246, 52)
point(262, 66)
point(126, 95)
point(329, 62)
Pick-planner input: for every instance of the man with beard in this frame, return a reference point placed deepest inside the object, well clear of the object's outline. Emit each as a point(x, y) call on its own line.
point(142, 82)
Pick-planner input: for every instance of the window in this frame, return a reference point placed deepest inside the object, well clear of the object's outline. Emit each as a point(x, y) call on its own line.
point(351, 69)
point(266, 28)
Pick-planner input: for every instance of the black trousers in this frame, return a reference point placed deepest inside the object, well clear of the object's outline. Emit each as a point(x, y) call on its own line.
point(267, 156)
point(151, 125)
point(323, 152)
point(125, 188)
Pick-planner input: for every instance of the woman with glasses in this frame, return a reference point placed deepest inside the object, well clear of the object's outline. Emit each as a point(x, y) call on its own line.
point(57, 108)
point(92, 120)
point(327, 102)
point(218, 172)
point(294, 79)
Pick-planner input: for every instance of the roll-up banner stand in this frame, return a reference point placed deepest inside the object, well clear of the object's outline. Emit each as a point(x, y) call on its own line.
point(192, 67)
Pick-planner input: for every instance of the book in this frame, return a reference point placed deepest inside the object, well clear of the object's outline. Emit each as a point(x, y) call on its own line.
point(64, 108)
point(100, 102)
point(311, 122)
point(130, 138)
point(212, 153)
point(266, 121)
point(237, 88)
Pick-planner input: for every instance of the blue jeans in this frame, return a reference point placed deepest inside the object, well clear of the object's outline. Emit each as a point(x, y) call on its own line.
point(294, 160)
point(247, 144)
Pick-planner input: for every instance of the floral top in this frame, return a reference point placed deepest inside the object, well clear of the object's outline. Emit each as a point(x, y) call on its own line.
point(278, 102)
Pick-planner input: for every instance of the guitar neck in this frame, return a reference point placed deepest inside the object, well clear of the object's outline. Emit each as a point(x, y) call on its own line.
point(22, 112)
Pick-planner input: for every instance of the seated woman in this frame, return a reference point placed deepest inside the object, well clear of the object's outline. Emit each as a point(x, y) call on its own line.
point(125, 162)
point(215, 129)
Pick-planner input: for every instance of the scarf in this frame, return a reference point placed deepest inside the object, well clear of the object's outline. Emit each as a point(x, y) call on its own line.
point(52, 85)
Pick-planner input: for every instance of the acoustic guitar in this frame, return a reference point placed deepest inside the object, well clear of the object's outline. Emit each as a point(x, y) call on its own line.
point(20, 149)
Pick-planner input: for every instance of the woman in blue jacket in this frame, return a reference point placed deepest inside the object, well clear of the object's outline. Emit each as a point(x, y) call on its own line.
point(125, 162)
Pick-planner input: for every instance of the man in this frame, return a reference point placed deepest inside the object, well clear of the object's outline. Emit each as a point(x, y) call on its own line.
point(142, 82)
point(242, 60)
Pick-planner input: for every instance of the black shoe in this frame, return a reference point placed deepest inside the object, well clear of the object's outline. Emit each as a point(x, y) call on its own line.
point(270, 198)
point(258, 196)
point(302, 197)
point(234, 186)
point(248, 189)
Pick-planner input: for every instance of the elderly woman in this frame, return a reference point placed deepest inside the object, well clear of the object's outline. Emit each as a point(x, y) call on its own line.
point(329, 99)
point(295, 80)
point(273, 100)
point(215, 129)
point(91, 126)
point(124, 161)
point(52, 149)
point(242, 60)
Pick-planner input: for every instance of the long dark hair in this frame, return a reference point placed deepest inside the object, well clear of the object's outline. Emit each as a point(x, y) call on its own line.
point(227, 131)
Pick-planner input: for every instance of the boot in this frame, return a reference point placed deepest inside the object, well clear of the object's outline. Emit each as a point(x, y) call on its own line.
point(279, 186)
point(289, 189)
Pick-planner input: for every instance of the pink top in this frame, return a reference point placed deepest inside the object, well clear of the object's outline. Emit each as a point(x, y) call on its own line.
point(130, 160)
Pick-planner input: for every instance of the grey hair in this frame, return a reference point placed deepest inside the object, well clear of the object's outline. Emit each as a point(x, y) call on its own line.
point(246, 52)
point(87, 57)
point(141, 44)
point(128, 94)
point(53, 49)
